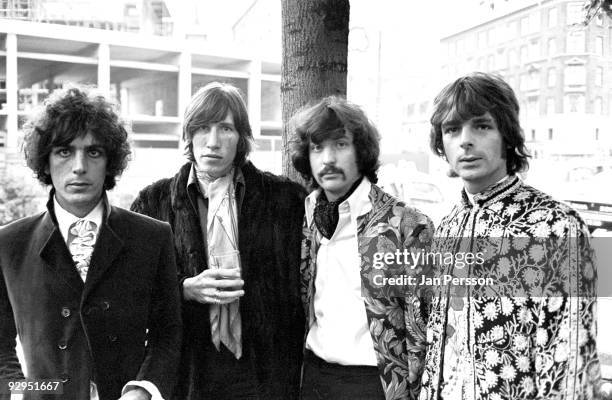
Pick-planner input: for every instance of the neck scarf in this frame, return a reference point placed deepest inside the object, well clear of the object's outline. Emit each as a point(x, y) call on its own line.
point(222, 235)
point(326, 212)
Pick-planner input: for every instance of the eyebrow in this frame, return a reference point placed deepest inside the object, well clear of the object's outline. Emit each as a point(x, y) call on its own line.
point(476, 120)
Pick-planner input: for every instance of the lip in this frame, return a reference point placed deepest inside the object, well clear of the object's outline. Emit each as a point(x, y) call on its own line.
point(213, 156)
point(79, 184)
point(468, 158)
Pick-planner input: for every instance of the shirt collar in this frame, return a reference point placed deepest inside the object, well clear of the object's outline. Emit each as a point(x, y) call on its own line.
point(357, 204)
point(65, 218)
point(193, 179)
point(484, 194)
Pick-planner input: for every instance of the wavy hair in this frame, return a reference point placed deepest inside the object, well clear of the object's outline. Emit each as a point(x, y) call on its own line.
point(474, 95)
point(211, 104)
point(71, 113)
point(324, 120)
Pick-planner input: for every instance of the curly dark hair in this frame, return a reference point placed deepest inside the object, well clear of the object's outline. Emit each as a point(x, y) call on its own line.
point(474, 95)
point(71, 113)
point(211, 104)
point(325, 120)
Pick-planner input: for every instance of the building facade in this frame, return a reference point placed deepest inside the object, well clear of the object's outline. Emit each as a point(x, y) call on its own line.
point(151, 76)
point(558, 67)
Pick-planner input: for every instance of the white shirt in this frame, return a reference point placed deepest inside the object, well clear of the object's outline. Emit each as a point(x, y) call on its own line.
point(64, 220)
point(340, 333)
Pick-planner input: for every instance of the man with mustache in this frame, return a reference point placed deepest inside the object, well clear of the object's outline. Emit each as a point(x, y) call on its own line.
point(90, 288)
point(237, 241)
point(359, 345)
point(532, 334)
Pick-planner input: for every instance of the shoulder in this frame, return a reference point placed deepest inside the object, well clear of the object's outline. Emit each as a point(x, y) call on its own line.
point(280, 187)
point(542, 206)
point(412, 220)
point(157, 196)
point(125, 220)
point(21, 226)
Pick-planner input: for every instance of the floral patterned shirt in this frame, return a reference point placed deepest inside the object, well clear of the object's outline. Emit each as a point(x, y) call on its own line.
point(533, 335)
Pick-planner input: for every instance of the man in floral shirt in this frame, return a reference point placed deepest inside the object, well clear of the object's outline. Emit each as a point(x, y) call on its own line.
point(361, 343)
point(532, 333)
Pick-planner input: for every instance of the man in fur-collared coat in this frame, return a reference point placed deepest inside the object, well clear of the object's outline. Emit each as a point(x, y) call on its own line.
point(237, 241)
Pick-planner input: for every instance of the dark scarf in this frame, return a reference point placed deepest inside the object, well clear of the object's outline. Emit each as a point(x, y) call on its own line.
point(326, 212)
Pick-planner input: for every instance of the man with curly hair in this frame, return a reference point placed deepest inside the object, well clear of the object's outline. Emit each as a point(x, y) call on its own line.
point(364, 340)
point(531, 332)
point(89, 288)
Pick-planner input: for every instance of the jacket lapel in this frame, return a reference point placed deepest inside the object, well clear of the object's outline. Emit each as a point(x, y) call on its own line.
point(54, 252)
point(106, 250)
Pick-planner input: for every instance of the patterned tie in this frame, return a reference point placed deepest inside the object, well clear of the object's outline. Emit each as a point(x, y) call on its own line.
point(82, 237)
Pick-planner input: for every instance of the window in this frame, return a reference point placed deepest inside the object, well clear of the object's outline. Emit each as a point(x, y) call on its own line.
point(523, 84)
point(512, 57)
point(550, 105)
point(533, 135)
point(575, 75)
point(500, 60)
point(596, 133)
point(552, 77)
point(532, 107)
point(599, 76)
point(599, 19)
point(534, 80)
point(534, 22)
point(574, 103)
point(523, 55)
point(552, 47)
point(598, 106)
point(482, 39)
point(552, 17)
point(550, 134)
point(534, 50)
point(599, 45)
point(524, 26)
point(574, 13)
point(575, 42)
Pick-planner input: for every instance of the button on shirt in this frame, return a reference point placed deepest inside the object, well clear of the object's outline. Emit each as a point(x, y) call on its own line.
point(339, 333)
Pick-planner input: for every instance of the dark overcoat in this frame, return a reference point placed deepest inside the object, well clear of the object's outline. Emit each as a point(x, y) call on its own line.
point(122, 324)
point(269, 225)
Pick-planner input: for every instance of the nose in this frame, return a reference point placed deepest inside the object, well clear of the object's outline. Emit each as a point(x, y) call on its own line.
point(467, 137)
point(212, 141)
point(79, 165)
point(328, 155)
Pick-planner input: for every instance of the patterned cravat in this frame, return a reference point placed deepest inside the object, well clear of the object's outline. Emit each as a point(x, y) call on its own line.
point(225, 320)
point(82, 237)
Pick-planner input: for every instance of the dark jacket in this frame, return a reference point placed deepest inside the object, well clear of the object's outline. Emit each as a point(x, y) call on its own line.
point(94, 331)
point(269, 225)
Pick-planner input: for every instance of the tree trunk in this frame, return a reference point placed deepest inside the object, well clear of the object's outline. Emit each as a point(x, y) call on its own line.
point(315, 50)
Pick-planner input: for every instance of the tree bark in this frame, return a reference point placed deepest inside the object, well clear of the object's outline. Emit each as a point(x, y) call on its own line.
point(315, 50)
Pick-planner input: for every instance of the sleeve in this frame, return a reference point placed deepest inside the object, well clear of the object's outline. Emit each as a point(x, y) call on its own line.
point(9, 363)
point(567, 365)
point(160, 365)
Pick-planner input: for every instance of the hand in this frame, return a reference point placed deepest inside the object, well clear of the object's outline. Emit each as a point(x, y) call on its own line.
point(214, 286)
point(137, 393)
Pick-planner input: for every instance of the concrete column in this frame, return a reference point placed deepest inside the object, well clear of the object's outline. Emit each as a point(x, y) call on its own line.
point(184, 87)
point(104, 68)
point(254, 97)
point(12, 134)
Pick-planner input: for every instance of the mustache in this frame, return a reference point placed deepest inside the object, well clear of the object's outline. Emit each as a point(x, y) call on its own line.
point(330, 169)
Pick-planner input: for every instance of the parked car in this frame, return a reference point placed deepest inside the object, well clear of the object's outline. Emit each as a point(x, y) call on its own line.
point(592, 198)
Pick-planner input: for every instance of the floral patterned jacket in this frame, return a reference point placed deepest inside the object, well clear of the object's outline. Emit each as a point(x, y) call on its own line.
point(539, 343)
point(397, 324)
